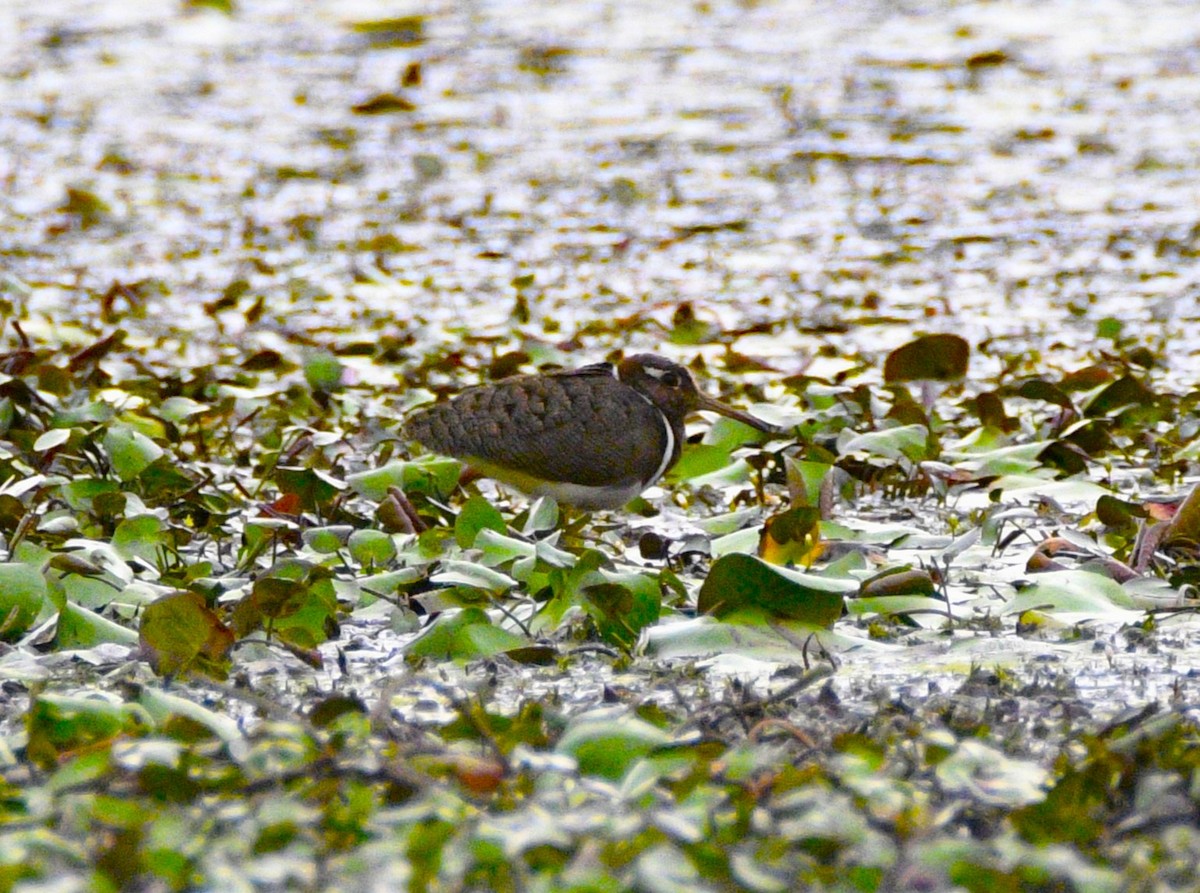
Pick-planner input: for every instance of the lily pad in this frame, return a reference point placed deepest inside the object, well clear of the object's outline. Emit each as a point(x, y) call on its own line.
point(476, 515)
point(1074, 592)
point(909, 442)
point(131, 452)
point(181, 633)
point(607, 745)
point(739, 581)
point(433, 475)
point(23, 592)
point(466, 635)
point(928, 358)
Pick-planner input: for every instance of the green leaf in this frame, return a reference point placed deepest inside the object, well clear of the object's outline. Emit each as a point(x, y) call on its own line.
point(807, 476)
point(699, 459)
point(465, 635)
point(1110, 328)
point(23, 592)
point(323, 371)
point(129, 451)
point(179, 633)
point(541, 515)
point(314, 488)
point(468, 573)
point(1046, 391)
point(141, 537)
point(162, 707)
point(623, 605)
point(607, 745)
point(739, 581)
point(59, 725)
point(81, 493)
point(746, 634)
point(904, 442)
point(79, 627)
point(178, 409)
point(499, 548)
point(371, 548)
point(295, 602)
point(433, 475)
point(895, 605)
point(327, 540)
point(476, 515)
point(1073, 592)
point(1017, 459)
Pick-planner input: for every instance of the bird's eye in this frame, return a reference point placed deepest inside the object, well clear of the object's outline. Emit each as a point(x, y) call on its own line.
point(671, 378)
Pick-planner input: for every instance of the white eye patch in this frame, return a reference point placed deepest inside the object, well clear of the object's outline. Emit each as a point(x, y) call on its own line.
point(676, 376)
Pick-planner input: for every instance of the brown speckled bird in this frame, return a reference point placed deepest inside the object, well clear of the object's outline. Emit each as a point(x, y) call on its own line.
point(593, 437)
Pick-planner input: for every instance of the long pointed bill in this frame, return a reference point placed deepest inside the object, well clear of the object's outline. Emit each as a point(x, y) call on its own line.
point(704, 401)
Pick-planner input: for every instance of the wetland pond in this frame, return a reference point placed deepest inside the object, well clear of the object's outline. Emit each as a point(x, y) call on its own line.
point(938, 634)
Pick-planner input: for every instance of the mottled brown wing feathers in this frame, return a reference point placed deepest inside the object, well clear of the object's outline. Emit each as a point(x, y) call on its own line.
point(582, 426)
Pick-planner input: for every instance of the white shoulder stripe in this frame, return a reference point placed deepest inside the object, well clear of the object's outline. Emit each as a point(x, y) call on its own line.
point(670, 446)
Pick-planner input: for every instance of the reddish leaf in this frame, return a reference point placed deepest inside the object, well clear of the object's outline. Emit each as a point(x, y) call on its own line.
point(179, 633)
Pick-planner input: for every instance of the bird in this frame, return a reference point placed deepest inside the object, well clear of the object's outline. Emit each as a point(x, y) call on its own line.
point(593, 437)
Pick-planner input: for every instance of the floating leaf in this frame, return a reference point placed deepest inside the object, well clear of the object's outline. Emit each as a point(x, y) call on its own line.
point(371, 548)
point(86, 207)
point(792, 537)
point(144, 537)
point(55, 437)
point(1121, 394)
point(180, 633)
point(805, 480)
point(928, 358)
point(384, 104)
point(499, 548)
point(1073, 592)
point(699, 459)
point(742, 581)
point(608, 745)
point(130, 451)
point(623, 605)
point(748, 634)
point(477, 514)
point(991, 777)
point(313, 488)
point(296, 602)
point(904, 442)
point(462, 636)
point(401, 31)
point(60, 725)
point(323, 371)
point(898, 581)
point(328, 710)
point(23, 593)
point(1039, 389)
point(179, 409)
point(86, 494)
point(541, 515)
point(434, 475)
point(79, 627)
point(467, 573)
point(327, 540)
point(168, 709)
point(1015, 459)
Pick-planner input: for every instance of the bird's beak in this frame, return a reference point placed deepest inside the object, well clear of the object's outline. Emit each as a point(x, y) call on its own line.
point(705, 402)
